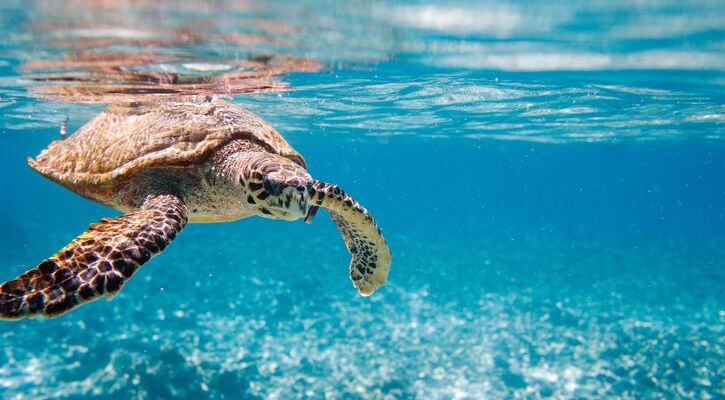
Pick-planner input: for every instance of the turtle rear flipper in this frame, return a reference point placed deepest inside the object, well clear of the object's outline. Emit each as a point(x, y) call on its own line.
point(96, 263)
point(364, 240)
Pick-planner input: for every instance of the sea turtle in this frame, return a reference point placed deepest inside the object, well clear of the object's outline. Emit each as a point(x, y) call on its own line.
point(166, 163)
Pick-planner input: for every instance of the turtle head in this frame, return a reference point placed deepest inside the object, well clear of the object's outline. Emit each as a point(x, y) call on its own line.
point(282, 191)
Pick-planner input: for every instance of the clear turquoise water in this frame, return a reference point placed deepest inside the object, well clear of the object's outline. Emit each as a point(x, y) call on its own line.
point(550, 178)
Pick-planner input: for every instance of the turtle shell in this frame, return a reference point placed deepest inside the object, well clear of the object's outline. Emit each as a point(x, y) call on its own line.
point(128, 137)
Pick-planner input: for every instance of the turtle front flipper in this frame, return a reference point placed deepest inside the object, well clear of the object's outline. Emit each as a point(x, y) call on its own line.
point(96, 263)
point(370, 254)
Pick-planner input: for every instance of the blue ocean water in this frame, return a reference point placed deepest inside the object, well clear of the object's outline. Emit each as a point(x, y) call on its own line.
point(550, 177)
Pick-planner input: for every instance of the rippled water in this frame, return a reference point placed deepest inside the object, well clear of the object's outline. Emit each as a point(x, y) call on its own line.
point(549, 176)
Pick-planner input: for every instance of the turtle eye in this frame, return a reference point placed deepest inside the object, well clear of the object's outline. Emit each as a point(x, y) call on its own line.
point(272, 186)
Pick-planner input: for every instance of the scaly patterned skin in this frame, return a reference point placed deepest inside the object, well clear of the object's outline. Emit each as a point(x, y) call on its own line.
point(275, 186)
point(363, 238)
point(97, 263)
point(281, 189)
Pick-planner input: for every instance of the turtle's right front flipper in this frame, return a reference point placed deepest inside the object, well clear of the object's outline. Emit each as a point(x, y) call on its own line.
point(370, 253)
point(96, 263)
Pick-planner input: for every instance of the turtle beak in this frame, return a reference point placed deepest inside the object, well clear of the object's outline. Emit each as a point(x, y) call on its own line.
point(311, 214)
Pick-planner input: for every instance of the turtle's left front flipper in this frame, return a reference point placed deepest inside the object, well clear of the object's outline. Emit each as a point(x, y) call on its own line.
point(370, 253)
point(96, 263)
